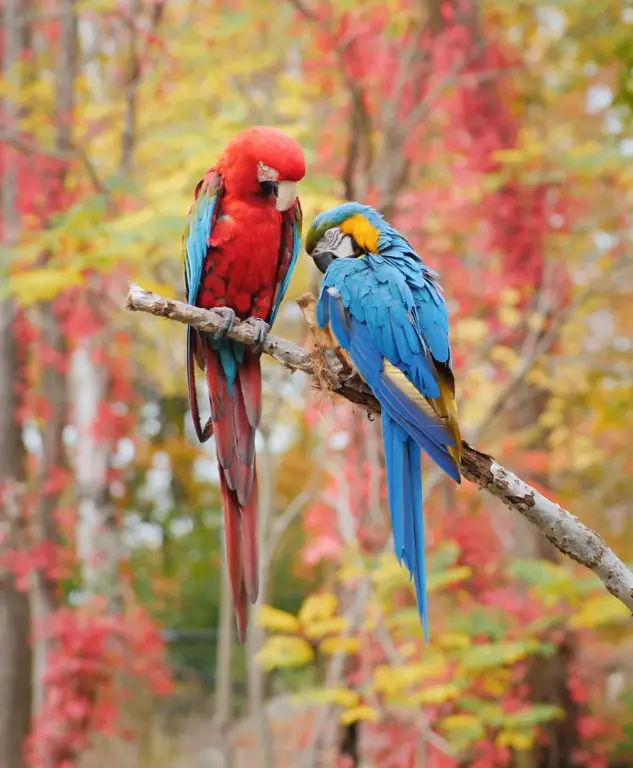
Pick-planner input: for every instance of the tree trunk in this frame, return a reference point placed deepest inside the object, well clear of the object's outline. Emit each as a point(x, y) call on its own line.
point(224, 670)
point(43, 589)
point(54, 379)
point(15, 655)
point(255, 640)
point(97, 538)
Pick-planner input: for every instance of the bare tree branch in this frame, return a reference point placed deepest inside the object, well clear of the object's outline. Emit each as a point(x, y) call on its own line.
point(330, 371)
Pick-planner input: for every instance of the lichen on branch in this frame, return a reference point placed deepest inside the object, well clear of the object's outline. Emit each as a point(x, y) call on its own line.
point(332, 371)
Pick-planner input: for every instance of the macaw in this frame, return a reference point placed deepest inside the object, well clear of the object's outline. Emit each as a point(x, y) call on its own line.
point(240, 246)
point(386, 309)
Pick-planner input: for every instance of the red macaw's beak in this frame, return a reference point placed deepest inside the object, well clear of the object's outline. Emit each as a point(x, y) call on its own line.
point(286, 194)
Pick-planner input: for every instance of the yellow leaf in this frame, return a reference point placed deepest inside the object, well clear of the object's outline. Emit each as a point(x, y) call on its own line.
point(497, 682)
point(42, 284)
point(279, 651)
point(491, 655)
point(509, 156)
point(277, 621)
point(558, 436)
point(162, 289)
point(471, 330)
point(518, 740)
point(409, 650)
point(550, 419)
point(509, 296)
point(132, 222)
point(535, 321)
point(405, 618)
point(462, 722)
point(392, 679)
point(506, 356)
point(293, 107)
point(351, 572)
point(363, 712)
point(509, 316)
point(390, 572)
point(598, 611)
point(318, 607)
point(333, 645)
point(538, 377)
point(448, 577)
point(584, 149)
point(342, 697)
point(437, 694)
point(453, 640)
point(334, 626)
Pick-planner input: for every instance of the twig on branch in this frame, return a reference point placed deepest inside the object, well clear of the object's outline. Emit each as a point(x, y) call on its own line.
point(564, 530)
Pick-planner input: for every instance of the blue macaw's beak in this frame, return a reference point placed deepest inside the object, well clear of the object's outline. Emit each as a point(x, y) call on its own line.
point(323, 259)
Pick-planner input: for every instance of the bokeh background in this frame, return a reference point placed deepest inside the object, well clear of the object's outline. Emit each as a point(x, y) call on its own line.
point(497, 136)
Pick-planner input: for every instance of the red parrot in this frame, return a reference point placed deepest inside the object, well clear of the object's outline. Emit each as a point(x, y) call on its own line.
point(240, 246)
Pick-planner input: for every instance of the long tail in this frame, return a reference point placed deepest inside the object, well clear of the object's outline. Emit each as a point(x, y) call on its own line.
point(235, 387)
point(404, 484)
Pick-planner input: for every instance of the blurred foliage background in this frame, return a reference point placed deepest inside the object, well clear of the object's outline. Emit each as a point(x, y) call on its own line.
point(497, 136)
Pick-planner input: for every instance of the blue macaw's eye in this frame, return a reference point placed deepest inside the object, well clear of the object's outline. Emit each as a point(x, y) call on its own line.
point(269, 188)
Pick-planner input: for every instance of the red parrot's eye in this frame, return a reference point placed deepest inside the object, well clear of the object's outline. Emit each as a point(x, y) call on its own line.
point(269, 188)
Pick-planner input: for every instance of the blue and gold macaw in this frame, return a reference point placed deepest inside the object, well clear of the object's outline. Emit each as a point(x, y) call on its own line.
point(387, 310)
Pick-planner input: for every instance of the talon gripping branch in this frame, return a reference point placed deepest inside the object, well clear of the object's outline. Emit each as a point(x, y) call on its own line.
point(387, 311)
point(239, 247)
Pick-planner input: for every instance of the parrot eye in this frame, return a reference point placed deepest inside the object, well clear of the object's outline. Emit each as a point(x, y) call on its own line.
point(269, 188)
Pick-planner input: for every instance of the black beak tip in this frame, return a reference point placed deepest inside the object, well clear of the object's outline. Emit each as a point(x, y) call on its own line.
point(323, 260)
point(269, 188)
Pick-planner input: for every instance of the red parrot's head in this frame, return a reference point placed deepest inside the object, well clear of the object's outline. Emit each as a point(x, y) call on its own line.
point(263, 164)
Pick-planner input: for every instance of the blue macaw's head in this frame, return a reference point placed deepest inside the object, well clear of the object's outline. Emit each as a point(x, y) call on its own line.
point(347, 231)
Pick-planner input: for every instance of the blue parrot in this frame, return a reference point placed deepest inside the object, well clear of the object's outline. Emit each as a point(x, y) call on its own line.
point(387, 311)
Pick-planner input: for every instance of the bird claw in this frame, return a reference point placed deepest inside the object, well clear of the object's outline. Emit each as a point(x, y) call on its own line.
point(228, 322)
point(261, 328)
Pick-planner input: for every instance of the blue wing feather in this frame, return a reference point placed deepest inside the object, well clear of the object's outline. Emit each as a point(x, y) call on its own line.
point(195, 244)
point(296, 247)
point(200, 226)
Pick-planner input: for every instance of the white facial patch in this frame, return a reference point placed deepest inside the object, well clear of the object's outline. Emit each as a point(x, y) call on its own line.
point(334, 241)
point(266, 173)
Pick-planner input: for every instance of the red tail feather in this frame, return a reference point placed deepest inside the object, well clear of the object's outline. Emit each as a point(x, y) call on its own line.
point(195, 355)
point(250, 549)
point(234, 550)
point(236, 416)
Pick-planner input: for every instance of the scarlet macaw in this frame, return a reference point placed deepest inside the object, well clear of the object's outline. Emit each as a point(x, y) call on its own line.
point(387, 310)
point(240, 246)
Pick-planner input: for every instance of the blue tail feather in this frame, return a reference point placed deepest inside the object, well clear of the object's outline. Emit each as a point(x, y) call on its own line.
point(437, 452)
point(404, 483)
point(414, 509)
point(394, 457)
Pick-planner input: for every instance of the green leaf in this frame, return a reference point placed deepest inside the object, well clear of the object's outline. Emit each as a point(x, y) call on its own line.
point(443, 557)
point(491, 655)
point(479, 621)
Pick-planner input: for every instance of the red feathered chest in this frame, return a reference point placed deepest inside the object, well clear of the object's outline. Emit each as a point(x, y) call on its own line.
point(241, 267)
